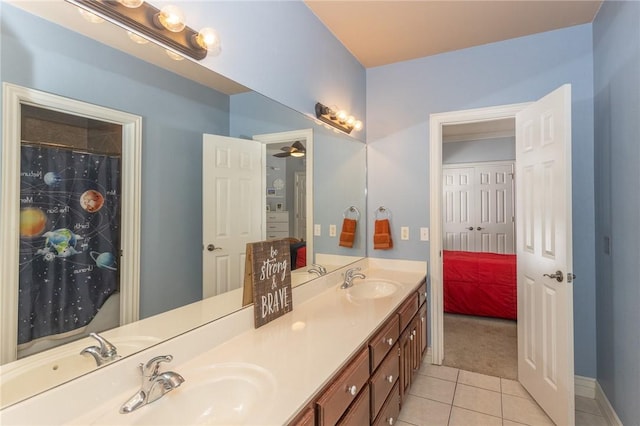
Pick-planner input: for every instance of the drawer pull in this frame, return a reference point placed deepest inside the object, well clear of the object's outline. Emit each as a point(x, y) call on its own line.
point(413, 332)
point(411, 336)
point(390, 420)
point(389, 341)
point(390, 378)
point(353, 390)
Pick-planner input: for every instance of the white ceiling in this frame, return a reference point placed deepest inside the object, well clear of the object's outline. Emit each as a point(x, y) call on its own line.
point(385, 31)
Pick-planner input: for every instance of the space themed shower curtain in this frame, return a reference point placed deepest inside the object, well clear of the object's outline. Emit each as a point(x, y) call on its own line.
point(69, 238)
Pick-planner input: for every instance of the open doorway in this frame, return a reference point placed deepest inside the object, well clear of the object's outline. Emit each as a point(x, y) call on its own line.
point(479, 262)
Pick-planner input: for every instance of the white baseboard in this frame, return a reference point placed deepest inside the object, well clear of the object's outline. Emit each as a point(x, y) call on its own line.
point(585, 387)
point(607, 409)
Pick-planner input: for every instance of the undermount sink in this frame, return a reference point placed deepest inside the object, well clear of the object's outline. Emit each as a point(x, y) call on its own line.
point(372, 288)
point(220, 394)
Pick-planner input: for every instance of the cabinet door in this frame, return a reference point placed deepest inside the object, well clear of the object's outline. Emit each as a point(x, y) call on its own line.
point(405, 363)
point(422, 330)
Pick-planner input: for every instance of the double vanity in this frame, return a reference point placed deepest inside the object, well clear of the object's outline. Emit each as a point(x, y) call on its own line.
point(342, 354)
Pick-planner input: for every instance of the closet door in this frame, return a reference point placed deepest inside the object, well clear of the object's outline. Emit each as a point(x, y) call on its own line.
point(459, 207)
point(478, 208)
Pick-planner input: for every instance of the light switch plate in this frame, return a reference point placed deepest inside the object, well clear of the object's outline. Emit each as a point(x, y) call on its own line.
point(317, 230)
point(424, 234)
point(404, 233)
point(332, 230)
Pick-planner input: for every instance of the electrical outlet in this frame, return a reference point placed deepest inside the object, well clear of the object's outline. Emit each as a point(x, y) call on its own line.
point(332, 230)
point(317, 230)
point(424, 234)
point(404, 233)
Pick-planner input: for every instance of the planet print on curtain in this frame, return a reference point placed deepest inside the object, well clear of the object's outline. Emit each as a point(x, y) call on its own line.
point(69, 238)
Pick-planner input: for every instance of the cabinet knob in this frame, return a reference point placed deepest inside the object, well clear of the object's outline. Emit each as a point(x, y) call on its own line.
point(413, 333)
point(390, 378)
point(390, 420)
point(411, 336)
point(353, 390)
point(389, 341)
point(422, 319)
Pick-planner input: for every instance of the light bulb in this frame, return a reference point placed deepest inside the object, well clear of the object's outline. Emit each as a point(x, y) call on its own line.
point(136, 38)
point(91, 17)
point(131, 3)
point(173, 55)
point(357, 126)
point(171, 18)
point(333, 112)
point(351, 121)
point(208, 38)
point(342, 116)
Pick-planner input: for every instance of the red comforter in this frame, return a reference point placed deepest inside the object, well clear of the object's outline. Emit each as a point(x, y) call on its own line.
point(482, 284)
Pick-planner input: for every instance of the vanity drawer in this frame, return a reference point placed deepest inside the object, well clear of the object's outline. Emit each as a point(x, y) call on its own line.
point(277, 226)
point(408, 310)
point(383, 341)
point(391, 409)
point(422, 293)
point(277, 235)
point(358, 413)
point(343, 391)
point(278, 217)
point(384, 379)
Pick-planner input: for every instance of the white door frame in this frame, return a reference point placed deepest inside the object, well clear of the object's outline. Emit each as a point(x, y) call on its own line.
point(290, 137)
point(436, 121)
point(13, 97)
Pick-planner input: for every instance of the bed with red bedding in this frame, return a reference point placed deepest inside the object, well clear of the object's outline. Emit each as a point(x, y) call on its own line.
point(482, 284)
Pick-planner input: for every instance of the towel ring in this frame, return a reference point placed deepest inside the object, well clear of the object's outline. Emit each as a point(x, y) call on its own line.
point(382, 213)
point(351, 211)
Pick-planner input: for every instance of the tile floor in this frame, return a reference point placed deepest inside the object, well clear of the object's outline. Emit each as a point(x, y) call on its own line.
point(445, 396)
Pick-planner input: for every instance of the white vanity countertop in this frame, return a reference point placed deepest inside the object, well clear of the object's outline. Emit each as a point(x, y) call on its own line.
point(301, 350)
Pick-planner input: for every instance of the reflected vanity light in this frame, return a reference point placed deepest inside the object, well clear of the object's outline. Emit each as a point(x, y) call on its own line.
point(166, 27)
point(338, 118)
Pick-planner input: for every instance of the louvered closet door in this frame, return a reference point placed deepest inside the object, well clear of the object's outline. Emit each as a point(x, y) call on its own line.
point(478, 208)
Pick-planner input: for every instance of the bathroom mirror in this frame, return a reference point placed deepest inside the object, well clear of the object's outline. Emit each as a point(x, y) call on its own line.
point(175, 112)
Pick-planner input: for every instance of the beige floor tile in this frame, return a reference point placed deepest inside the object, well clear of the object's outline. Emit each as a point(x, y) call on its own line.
point(586, 419)
point(476, 399)
point(588, 405)
point(462, 417)
point(513, 387)
point(479, 380)
point(510, 423)
point(433, 388)
point(523, 410)
point(424, 412)
point(439, 371)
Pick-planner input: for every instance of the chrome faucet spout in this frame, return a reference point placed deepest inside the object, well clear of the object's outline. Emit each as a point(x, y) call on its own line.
point(154, 384)
point(349, 275)
point(104, 353)
point(317, 269)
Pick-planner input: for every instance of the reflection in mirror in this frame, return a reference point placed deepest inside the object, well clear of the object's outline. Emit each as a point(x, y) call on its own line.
point(175, 112)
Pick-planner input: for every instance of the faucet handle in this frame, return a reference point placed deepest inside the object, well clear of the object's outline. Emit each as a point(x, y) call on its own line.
point(320, 268)
point(150, 369)
point(107, 349)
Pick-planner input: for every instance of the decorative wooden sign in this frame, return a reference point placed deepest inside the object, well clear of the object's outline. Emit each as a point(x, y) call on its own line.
point(267, 280)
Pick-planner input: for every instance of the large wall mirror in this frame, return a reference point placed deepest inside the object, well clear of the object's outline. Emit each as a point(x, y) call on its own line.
point(179, 102)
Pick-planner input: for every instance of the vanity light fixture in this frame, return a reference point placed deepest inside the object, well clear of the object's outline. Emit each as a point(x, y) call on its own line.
point(337, 118)
point(166, 26)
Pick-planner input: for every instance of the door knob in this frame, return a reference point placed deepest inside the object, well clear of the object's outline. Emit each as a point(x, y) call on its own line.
point(479, 228)
point(470, 228)
point(559, 276)
point(211, 247)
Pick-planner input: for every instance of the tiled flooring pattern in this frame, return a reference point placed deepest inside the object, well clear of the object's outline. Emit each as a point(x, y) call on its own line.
point(445, 396)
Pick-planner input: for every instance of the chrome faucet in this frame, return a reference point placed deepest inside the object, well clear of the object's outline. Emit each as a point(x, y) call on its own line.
point(317, 269)
point(154, 384)
point(349, 275)
point(104, 353)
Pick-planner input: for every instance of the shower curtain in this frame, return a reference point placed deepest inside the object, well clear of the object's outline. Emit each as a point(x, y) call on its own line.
point(69, 238)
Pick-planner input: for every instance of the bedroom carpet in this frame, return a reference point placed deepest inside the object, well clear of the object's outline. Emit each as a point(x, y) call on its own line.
point(482, 345)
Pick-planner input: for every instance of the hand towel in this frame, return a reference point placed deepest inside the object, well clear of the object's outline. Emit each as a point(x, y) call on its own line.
point(382, 235)
point(348, 234)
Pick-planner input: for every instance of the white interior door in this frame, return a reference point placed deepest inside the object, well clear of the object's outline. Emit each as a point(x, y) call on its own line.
point(545, 305)
point(478, 207)
point(233, 209)
point(300, 206)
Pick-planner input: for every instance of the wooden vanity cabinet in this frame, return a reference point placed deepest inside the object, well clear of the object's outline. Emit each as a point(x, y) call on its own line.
point(344, 390)
point(391, 410)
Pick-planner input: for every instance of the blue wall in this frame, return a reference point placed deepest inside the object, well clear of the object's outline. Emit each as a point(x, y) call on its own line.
point(401, 96)
point(616, 41)
point(175, 113)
